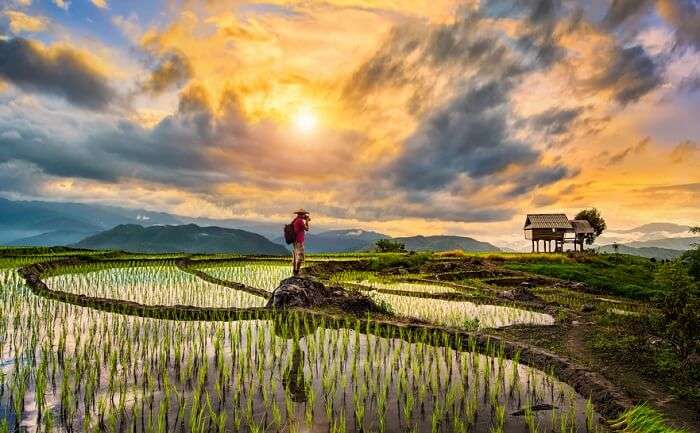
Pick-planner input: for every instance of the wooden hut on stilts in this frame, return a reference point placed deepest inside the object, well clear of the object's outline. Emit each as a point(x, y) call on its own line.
point(549, 232)
point(547, 229)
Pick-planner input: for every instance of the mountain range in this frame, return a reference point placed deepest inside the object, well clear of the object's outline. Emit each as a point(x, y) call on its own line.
point(338, 241)
point(648, 252)
point(189, 238)
point(445, 243)
point(42, 223)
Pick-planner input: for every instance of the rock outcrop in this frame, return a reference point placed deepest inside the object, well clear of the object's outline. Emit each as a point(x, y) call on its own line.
point(308, 292)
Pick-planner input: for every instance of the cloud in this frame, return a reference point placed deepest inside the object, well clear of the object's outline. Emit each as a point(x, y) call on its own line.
point(631, 150)
point(57, 70)
point(171, 71)
point(621, 10)
point(20, 22)
point(684, 15)
point(63, 4)
point(555, 121)
point(688, 187)
point(628, 74)
point(102, 4)
point(685, 150)
point(467, 137)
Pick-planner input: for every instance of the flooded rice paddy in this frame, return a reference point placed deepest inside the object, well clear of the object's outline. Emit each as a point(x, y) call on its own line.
point(67, 368)
point(153, 285)
point(264, 276)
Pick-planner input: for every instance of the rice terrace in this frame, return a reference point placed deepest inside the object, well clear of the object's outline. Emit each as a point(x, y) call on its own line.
point(349, 216)
point(113, 341)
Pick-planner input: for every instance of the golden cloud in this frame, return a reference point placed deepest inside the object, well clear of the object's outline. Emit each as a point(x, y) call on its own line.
point(21, 22)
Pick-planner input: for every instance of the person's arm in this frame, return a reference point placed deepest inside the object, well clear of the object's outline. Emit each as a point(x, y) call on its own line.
point(306, 224)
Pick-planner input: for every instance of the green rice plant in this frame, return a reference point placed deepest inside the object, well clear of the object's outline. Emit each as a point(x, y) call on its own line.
point(643, 419)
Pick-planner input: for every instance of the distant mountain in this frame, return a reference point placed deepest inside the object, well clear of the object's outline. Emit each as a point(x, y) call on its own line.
point(656, 227)
point(52, 238)
point(338, 241)
point(682, 244)
point(189, 238)
point(46, 223)
point(445, 243)
point(648, 252)
point(28, 219)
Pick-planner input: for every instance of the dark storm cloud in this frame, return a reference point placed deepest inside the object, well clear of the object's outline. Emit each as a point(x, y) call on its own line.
point(468, 142)
point(629, 74)
point(535, 177)
point(173, 152)
point(172, 70)
point(57, 71)
point(468, 137)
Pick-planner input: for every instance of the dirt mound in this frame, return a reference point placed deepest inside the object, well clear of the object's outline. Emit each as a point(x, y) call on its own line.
point(521, 293)
point(308, 292)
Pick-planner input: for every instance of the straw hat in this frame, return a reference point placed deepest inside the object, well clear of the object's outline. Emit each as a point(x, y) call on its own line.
point(301, 211)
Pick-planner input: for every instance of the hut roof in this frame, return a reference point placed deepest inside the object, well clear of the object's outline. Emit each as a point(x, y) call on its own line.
point(547, 221)
point(582, 227)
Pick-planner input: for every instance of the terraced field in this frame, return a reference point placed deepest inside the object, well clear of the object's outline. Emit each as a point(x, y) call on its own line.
point(86, 351)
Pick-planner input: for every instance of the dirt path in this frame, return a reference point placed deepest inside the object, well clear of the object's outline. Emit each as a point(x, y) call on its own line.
point(680, 413)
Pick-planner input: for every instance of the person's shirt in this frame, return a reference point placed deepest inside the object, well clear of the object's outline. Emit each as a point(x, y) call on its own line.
point(299, 229)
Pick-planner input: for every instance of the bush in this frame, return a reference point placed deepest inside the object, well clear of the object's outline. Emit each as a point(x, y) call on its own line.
point(389, 246)
point(679, 305)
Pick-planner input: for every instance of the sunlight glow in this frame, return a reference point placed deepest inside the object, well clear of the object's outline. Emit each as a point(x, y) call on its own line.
point(306, 121)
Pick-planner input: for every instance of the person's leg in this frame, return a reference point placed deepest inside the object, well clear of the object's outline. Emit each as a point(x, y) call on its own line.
point(300, 260)
point(295, 259)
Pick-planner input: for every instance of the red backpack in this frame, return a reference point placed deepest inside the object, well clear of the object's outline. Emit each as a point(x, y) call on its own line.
point(289, 234)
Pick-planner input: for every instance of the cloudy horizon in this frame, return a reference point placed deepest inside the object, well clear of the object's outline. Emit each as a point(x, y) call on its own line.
point(407, 118)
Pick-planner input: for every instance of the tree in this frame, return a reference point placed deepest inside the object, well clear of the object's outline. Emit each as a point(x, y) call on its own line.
point(389, 246)
point(595, 220)
point(692, 258)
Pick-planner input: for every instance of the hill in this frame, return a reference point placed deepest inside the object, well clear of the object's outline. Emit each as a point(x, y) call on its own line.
point(52, 238)
point(339, 241)
point(681, 243)
point(656, 228)
point(648, 252)
point(445, 243)
point(189, 238)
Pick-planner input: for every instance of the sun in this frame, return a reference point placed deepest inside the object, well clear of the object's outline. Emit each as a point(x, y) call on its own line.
point(305, 120)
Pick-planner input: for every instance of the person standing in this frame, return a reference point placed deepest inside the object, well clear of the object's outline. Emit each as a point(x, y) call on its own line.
point(301, 226)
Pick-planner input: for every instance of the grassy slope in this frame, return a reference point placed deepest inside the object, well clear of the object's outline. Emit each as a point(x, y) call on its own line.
point(621, 275)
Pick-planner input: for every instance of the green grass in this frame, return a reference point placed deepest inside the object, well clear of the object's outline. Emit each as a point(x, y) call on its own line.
point(626, 276)
point(406, 261)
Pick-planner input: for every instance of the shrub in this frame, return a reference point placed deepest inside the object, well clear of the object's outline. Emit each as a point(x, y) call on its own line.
point(680, 308)
point(389, 246)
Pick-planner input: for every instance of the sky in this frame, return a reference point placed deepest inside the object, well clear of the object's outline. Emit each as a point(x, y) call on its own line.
point(406, 117)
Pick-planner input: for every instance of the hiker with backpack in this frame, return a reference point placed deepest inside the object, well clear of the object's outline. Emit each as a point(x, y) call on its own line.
point(294, 234)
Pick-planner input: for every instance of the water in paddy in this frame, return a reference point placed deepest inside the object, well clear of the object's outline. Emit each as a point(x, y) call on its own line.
point(153, 285)
point(456, 313)
point(266, 276)
point(76, 369)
